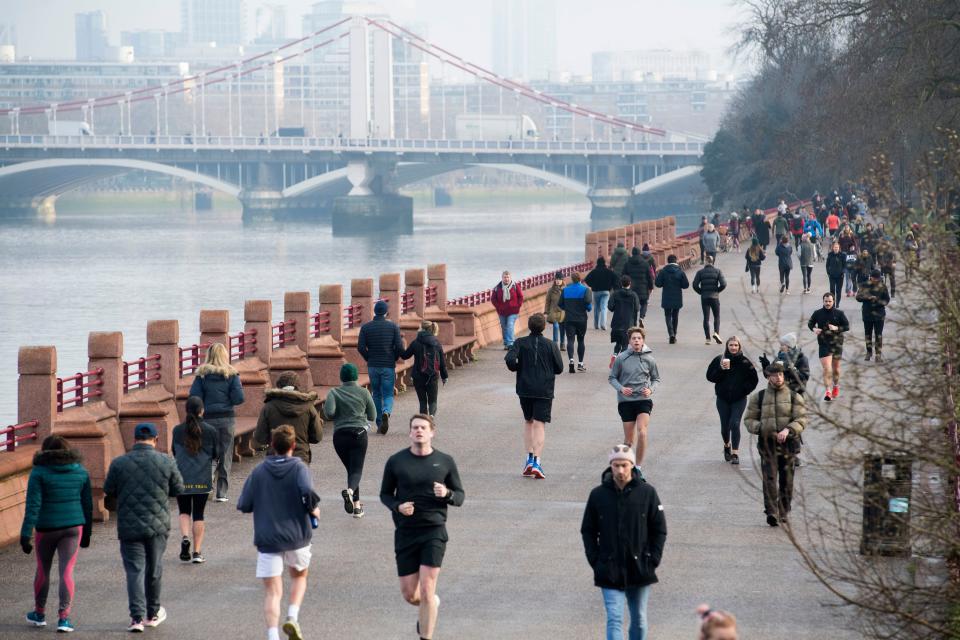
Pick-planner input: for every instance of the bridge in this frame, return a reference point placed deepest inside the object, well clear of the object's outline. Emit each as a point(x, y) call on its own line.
point(356, 174)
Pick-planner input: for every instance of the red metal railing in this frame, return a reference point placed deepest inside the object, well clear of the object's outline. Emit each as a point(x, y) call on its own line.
point(242, 344)
point(142, 370)
point(430, 295)
point(85, 385)
point(190, 357)
point(283, 333)
point(406, 302)
point(319, 324)
point(480, 297)
point(352, 315)
point(11, 438)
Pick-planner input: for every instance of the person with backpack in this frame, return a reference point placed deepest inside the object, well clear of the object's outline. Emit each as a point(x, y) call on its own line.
point(552, 310)
point(194, 446)
point(351, 409)
point(708, 283)
point(673, 281)
point(601, 281)
point(537, 362)
point(576, 302)
point(624, 304)
point(777, 416)
point(429, 367)
point(734, 378)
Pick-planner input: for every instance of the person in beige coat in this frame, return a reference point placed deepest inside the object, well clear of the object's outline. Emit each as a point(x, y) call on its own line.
point(777, 416)
point(552, 310)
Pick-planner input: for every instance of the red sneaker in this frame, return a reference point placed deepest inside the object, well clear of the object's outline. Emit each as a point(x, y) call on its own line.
point(836, 391)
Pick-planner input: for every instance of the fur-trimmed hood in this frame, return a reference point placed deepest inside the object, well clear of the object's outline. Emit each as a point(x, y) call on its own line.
point(207, 369)
point(56, 457)
point(290, 402)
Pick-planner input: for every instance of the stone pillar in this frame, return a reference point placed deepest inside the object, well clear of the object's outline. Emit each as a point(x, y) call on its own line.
point(257, 316)
point(296, 307)
point(621, 235)
point(215, 327)
point(630, 238)
point(591, 251)
point(293, 356)
point(361, 292)
point(163, 338)
point(37, 388)
point(414, 281)
point(390, 291)
point(437, 276)
point(671, 227)
point(611, 241)
point(105, 350)
point(325, 356)
point(331, 300)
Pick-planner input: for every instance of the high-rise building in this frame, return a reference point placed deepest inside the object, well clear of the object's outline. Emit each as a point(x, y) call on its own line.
point(150, 44)
point(221, 21)
point(271, 24)
point(524, 42)
point(91, 36)
point(615, 66)
point(8, 34)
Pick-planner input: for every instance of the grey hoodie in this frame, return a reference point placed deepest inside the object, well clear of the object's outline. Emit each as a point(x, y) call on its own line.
point(279, 494)
point(711, 241)
point(634, 370)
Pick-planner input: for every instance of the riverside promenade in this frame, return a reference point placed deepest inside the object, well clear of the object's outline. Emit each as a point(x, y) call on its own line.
point(514, 566)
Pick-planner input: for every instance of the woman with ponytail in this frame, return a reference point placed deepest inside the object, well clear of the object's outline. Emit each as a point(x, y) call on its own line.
point(195, 447)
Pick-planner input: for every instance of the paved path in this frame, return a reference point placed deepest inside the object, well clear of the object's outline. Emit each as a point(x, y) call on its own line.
point(515, 565)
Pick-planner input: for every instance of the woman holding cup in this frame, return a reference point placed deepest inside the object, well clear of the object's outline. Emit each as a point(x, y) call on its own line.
point(734, 378)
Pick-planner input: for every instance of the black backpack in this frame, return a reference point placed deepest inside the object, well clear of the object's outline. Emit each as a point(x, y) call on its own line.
point(430, 363)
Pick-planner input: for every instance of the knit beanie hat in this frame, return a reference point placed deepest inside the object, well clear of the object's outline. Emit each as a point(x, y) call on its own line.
point(348, 372)
point(622, 452)
point(380, 308)
point(789, 339)
point(646, 248)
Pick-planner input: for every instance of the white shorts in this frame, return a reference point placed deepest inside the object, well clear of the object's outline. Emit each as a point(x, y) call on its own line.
point(270, 565)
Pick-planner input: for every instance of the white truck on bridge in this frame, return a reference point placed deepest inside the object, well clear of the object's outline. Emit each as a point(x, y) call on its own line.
point(471, 126)
point(68, 128)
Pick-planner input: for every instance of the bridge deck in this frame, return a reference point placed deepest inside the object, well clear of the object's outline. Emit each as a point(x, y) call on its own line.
point(514, 566)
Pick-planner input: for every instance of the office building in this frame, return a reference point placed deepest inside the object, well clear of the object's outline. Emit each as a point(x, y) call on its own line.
point(524, 41)
point(223, 22)
point(90, 30)
point(616, 66)
point(271, 24)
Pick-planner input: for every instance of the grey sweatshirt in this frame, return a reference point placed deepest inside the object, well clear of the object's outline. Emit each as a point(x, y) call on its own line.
point(349, 405)
point(711, 241)
point(634, 370)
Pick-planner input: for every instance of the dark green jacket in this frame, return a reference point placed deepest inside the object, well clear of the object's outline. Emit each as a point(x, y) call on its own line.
point(349, 405)
point(58, 493)
point(141, 482)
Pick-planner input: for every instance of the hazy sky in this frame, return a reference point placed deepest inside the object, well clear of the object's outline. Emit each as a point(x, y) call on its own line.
point(45, 27)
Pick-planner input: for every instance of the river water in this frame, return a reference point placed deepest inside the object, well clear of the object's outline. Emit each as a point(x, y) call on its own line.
point(116, 270)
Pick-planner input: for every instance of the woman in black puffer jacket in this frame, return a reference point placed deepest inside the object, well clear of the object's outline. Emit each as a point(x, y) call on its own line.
point(734, 378)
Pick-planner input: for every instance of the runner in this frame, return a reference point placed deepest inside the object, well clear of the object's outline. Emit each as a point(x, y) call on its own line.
point(351, 409)
point(537, 361)
point(418, 485)
point(734, 378)
point(708, 283)
point(634, 375)
point(576, 302)
point(875, 298)
point(829, 323)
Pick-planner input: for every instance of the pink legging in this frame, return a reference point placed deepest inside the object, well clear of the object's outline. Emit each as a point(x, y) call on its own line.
point(65, 543)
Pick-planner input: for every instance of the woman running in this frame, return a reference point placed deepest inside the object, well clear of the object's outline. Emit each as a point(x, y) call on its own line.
point(829, 323)
point(195, 448)
point(60, 506)
point(351, 408)
point(734, 378)
point(755, 256)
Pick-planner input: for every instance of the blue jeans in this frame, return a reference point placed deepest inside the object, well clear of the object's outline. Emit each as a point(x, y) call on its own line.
point(506, 327)
point(600, 308)
point(635, 599)
point(382, 380)
point(559, 333)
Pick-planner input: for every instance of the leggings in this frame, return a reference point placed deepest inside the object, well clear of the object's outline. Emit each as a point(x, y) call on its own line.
point(785, 277)
point(710, 305)
point(64, 543)
point(730, 414)
point(350, 443)
point(755, 274)
point(576, 330)
point(427, 394)
point(807, 273)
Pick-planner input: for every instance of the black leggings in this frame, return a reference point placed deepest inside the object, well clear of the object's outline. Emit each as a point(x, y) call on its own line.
point(710, 305)
point(672, 317)
point(755, 274)
point(730, 414)
point(192, 504)
point(807, 273)
point(576, 330)
point(350, 443)
point(836, 287)
point(427, 394)
point(785, 277)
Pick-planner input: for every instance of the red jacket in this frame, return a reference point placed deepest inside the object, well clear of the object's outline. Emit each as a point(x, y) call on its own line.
point(511, 306)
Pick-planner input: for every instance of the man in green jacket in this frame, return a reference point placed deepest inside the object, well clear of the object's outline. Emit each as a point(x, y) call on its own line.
point(137, 487)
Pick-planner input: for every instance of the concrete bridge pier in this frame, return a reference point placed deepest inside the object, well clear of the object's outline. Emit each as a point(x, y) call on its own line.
point(611, 196)
point(264, 200)
point(372, 204)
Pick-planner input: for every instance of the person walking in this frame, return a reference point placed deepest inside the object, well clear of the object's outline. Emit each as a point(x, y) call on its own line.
point(784, 263)
point(755, 256)
point(796, 227)
point(619, 259)
point(429, 366)
point(217, 384)
point(711, 243)
point(576, 300)
point(624, 532)
point(601, 281)
point(551, 309)
point(58, 511)
point(708, 283)
point(625, 305)
point(673, 281)
point(287, 404)
point(639, 269)
point(807, 258)
point(734, 378)
point(781, 226)
point(829, 323)
point(138, 487)
point(887, 263)
point(195, 445)
point(795, 364)
point(777, 416)
point(874, 297)
point(833, 224)
point(702, 229)
point(911, 255)
point(848, 245)
point(761, 228)
point(733, 231)
point(836, 267)
point(536, 361)
point(351, 409)
point(380, 345)
point(280, 495)
point(635, 376)
point(507, 299)
point(813, 227)
point(419, 483)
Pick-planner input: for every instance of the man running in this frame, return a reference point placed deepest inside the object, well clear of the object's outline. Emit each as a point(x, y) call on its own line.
point(829, 323)
point(708, 283)
point(576, 301)
point(418, 485)
point(634, 375)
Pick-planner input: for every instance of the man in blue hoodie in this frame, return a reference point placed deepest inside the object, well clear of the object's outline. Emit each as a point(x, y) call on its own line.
point(279, 494)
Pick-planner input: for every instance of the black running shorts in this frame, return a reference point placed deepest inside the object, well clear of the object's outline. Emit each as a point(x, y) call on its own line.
point(834, 349)
point(424, 548)
point(536, 409)
point(630, 410)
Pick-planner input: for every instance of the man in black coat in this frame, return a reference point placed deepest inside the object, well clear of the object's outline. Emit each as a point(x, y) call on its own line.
point(381, 345)
point(640, 270)
point(537, 361)
point(601, 280)
point(624, 531)
point(673, 281)
point(708, 283)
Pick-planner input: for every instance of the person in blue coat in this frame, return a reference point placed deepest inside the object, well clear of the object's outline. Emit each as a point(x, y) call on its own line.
point(673, 281)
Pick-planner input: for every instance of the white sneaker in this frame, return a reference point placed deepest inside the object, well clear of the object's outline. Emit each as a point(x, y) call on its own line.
point(156, 620)
point(221, 499)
